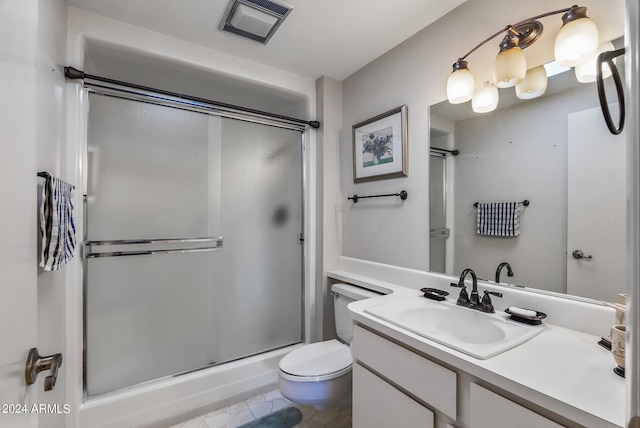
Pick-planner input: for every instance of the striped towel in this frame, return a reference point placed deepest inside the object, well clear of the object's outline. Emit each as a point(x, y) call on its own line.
point(57, 227)
point(499, 219)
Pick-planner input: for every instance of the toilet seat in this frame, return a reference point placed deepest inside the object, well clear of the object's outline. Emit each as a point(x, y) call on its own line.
point(317, 362)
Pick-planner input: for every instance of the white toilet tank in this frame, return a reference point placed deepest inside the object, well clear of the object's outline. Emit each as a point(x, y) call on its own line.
point(343, 294)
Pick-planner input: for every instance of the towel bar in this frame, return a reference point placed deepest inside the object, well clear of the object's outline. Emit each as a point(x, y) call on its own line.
point(46, 174)
point(154, 241)
point(403, 195)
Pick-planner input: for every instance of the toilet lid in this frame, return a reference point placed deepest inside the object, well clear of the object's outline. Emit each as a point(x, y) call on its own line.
point(317, 359)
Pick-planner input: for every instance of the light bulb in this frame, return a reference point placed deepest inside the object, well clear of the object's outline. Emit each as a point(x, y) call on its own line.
point(577, 39)
point(460, 84)
point(485, 99)
point(534, 84)
point(510, 66)
point(587, 71)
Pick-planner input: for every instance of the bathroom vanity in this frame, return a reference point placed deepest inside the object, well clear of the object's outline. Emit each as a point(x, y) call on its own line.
point(559, 377)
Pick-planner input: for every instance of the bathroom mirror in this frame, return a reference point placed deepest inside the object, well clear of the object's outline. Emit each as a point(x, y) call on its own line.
point(553, 151)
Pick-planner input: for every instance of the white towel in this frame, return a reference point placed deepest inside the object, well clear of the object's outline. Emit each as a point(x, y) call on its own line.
point(57, 227)
point(499, 219)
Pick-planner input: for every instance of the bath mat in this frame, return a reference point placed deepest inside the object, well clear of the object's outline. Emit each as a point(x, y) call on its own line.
point(283, 418)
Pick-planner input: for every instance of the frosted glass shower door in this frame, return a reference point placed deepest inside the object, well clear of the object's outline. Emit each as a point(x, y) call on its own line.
point(184, 181)
point(262, 219)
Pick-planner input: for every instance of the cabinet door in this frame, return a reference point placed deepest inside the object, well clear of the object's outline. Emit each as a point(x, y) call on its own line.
point(377, 404)
point(430, 382)
point(490, 410)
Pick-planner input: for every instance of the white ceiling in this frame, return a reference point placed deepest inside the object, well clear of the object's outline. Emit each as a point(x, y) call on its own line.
point(331, 38)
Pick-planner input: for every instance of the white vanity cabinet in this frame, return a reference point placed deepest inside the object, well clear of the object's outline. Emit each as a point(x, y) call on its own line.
point(377, 404)
point(490, 410)
point(397, 377)
point(395, 386)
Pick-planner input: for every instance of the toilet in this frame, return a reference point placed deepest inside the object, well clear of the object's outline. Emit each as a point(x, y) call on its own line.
point(319, 374)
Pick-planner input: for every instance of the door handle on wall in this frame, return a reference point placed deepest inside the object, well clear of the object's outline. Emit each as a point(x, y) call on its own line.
point(37, 364)
point(578, 254)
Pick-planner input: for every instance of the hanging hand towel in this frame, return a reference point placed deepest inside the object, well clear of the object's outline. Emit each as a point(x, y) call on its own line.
point(499, 219)
point(57, 227)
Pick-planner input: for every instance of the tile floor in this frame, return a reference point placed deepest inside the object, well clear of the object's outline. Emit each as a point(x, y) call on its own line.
point(264, 404)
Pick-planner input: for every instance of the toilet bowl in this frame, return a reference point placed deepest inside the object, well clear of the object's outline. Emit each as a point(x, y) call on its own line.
point(319, 374)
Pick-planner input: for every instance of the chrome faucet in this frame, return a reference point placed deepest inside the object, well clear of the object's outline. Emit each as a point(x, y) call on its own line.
point(473, 300)
point(499, 269)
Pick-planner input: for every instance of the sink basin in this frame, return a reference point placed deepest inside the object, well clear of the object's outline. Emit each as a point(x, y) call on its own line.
point(472, 332)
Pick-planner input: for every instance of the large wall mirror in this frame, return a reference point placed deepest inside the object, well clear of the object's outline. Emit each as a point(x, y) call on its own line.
point(555, 152)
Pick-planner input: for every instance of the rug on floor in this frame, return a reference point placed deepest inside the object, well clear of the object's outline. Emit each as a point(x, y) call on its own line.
point(283, 418)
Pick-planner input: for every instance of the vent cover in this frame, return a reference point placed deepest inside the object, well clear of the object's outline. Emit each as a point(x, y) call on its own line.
point(256, 20)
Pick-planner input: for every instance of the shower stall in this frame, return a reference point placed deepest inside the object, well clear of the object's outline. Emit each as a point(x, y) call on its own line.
point(193, 230)
point(440, 198)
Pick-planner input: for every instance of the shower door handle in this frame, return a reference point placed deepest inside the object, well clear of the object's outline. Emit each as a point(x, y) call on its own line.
point(216, 244)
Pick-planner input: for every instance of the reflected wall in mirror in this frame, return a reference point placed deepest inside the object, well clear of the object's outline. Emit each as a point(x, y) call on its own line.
point(554, 151)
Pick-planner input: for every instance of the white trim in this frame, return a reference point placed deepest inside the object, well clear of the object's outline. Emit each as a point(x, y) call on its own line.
point(632, 63)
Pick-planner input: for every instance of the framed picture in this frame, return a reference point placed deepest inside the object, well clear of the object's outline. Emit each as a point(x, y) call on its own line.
point(380, 146)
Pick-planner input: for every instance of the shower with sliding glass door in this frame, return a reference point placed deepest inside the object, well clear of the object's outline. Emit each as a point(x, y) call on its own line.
point(440, 198)
point(193, 252)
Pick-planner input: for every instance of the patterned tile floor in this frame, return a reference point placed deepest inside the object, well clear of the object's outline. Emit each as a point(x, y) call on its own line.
point(265, 404)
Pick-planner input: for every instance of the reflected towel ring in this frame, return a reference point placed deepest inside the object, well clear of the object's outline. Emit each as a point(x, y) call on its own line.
point(608, 58)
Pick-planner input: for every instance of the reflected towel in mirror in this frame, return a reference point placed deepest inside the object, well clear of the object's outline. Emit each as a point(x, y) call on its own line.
point(498, 219)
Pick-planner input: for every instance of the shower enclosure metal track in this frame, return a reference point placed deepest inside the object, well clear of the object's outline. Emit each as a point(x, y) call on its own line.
point(107, 86)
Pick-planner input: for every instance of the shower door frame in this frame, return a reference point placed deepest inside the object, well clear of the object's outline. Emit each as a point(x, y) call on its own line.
point(149, 97)
point(448, 233)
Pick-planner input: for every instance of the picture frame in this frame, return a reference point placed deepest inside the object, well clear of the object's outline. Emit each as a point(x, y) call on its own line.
point(380, 147)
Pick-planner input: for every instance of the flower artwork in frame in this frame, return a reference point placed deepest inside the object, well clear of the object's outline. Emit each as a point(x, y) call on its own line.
point(380, 146)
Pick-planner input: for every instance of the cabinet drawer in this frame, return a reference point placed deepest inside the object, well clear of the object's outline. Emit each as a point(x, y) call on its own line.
point(377, 404)
point(489, 410)
point(427, 380)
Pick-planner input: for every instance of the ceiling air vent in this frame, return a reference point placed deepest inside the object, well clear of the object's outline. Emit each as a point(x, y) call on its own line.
point(254, 19)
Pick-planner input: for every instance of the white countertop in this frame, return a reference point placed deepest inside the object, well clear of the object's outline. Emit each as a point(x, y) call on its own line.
point(561, 369)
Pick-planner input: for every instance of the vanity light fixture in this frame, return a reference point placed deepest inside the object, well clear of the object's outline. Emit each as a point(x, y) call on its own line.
point(576, 43)
point(256, 20)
